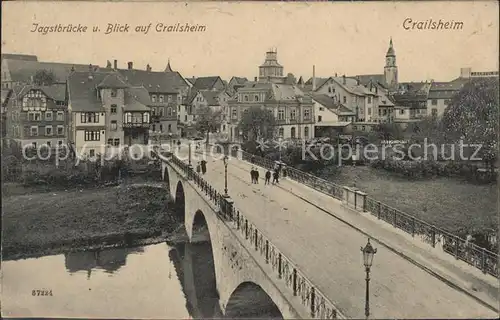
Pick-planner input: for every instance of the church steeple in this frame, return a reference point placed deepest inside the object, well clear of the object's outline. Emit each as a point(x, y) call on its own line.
point(168, 68)
point(391, 69)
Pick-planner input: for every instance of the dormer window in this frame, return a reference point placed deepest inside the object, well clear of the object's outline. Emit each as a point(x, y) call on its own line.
point(153, 98)
point(161, 98)
point(256, 97)
point(113, 93)
point(245, 98)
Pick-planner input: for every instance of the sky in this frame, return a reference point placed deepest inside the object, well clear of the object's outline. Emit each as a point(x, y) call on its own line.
point(343, 38)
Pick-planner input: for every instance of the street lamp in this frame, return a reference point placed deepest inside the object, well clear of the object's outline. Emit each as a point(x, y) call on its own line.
point(280, 140)
point(189, 153)
point(368, 253)
point(225, 159)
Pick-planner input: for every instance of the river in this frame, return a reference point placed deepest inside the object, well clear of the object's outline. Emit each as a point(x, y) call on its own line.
point(155, 281)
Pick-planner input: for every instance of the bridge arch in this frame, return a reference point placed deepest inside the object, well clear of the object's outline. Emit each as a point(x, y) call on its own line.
point(249, 300)
point(180, 202)
point(203, 266)
point(166, 177)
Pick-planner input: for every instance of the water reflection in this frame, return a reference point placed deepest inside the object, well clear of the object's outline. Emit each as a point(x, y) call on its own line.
point(109, 260)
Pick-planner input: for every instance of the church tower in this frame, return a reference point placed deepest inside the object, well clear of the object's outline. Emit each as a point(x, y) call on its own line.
point(391, 69)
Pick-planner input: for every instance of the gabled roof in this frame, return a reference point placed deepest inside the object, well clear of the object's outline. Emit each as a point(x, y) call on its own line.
point(169, 68)
point(5, 95)
point(22, 70)
point(206, 83)
point(193, 92)
point(140, 94)
point(83, 91)
point(191, 80)
point(55, 91)
point(351, 85)
point(155, 82)
point(446, 90)
point(15, 56)
point(365, 79)
point(113, 81)
point(239, 80)
point(319, 82)
point(211, 97)
point(331, 104)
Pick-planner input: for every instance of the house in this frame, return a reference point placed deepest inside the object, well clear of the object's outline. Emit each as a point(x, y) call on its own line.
point(37, 116)
point(235, 83)
point(331, 116)
point(106, 111)
point(440, 95)
point(16, 56)
point(410, 102)
point(214, 83)
point(292, 109)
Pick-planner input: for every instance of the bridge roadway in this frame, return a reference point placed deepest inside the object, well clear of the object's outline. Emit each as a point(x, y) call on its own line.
point(327, 250)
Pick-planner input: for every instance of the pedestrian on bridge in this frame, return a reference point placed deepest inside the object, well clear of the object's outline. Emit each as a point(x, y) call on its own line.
point(203, 166)
point(256, 176)
point(268, 177)
point(253, 175)
point(198, 168)
point(275, 176)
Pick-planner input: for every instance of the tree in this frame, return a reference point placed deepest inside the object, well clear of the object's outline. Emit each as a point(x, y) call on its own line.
point(389, 131)
point(429, 128)
point(44, 78)
point(472, 116)
point(257, 123)
point(208, 120)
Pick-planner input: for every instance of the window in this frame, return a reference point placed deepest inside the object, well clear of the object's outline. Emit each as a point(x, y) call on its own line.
point(185, 118)
point(307, 114)
point(234, 113)
point(33, 144)
point(60, 130)
point(345, 99)
point(401, 111)
point(293, 114)
point(48, 116)
point(292, 132)
point(306, 132)
point(161, 128)
point(320, 118)
point(161, 98)
point(48, 144)
point(330, 89)
point(385, 112)
point(169, 99)
point(34, 131)
point(321, 109)
point(89, 117)
point(434, 102)
point(281, 132)
point(369, 99)
point(145, 117)
point(92, 152)
point(113, 109)
point(363, 128)
point(281, 114)
point(60, 116)
point(169, 112)
point(434, 112)
point(256, 97)
point(113, 93)
point(169, 128)
point(91, 135)
point(114, 125)
point(153, 98)
point(110, 142)
point(116, 142)
point(59, 142)
point(162, 111)
point(246, 98)
point(369, 111)
point(447, 101)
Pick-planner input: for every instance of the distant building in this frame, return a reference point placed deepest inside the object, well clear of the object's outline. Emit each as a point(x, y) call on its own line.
point(467, 73)
point(440, 95)
point(214, 83)
point(271, 70)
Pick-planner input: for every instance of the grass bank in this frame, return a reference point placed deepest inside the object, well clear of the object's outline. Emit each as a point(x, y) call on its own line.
point(61, 221)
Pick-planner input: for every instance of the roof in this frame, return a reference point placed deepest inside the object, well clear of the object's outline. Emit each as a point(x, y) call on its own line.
point(211, 97)
point(239, 80)
point(340, 124)
point(446, 90)
point(15, 56)
point(168, 68)
point(5, 94)
point(136, 99)
point(319, 82)
point(193, 92)
point(205, 83)
point(365, 79)
point(351, 85)
point(113, 81)
point(191, 80)
point(324, 100)
point(390, 51)
point(55, 91)
point(276, 92)
point(22, 70)
point(155, 82)
point(82, 91)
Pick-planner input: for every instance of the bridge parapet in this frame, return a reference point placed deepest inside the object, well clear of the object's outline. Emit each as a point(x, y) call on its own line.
point(319, 306)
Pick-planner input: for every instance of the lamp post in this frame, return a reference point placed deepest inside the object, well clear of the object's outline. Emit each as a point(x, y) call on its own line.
point(189, 153)
point(280, 140)
point(368, 253)
point(225, 159)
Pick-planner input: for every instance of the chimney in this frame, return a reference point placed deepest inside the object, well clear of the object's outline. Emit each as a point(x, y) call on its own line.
point(130, 65)
point(314, 78)
point(336, 75)
point(357, 80)
point(148, 68)
point(343, 79)
point(90, 67)
point(115, 64)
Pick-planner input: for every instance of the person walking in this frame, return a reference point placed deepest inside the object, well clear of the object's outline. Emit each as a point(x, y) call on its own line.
point(275, 176)
point(198, 167)
point(203, 166)
point(268, 177)
point(256, 176)
point(252, 175)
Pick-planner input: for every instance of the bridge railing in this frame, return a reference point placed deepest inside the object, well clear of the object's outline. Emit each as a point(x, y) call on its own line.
point(481, 258)
point(310, 296)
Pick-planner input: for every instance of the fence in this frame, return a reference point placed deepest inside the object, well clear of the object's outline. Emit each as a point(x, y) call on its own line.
point(310, 296)
point(481, 258)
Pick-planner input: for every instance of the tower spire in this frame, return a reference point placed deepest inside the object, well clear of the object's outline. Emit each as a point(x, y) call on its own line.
point(168, 68)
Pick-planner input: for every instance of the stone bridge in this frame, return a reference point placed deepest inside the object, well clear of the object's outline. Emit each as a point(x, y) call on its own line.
point(278, 254)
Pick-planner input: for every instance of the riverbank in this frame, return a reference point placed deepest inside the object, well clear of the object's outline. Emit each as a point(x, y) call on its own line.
point(55, 222)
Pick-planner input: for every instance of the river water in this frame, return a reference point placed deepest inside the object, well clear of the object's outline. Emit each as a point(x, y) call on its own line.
point(155, 281)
